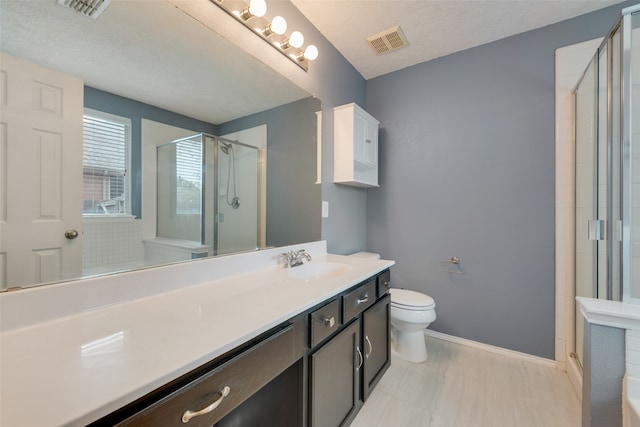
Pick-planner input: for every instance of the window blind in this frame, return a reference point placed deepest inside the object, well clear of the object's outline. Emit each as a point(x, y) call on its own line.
point(189, 177)
point(105, 153)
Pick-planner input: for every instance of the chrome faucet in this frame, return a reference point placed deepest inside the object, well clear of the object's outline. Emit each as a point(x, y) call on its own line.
point(294, 258)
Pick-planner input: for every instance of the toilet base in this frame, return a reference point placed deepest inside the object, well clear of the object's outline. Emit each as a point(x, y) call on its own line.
point(410, 346)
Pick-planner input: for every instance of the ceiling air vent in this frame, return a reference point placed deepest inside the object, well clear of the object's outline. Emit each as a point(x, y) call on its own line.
point(386, 41)
point(90, 8)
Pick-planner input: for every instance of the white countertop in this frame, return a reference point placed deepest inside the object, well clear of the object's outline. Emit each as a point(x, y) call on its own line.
point(76, 368)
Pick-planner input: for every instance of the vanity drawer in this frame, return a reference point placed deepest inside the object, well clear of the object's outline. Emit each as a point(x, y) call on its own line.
point(384, 283)
point(324, 322)
point(239, 378)
point(358, 300)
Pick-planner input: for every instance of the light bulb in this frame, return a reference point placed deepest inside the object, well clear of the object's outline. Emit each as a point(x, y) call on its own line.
point(311, 52)
point(296, 39)
point(279, 25)
point(258, 7)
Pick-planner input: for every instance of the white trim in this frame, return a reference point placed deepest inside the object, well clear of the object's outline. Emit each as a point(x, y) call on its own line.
point(492, 349)
point(610, 313)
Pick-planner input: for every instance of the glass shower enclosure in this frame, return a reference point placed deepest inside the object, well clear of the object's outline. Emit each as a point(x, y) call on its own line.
point(607, 171)
point(208, 192)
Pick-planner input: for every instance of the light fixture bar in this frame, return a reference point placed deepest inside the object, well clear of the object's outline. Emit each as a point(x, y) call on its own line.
point(289, 46)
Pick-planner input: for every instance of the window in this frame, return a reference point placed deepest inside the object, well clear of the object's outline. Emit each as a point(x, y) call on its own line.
point(105, 161)
point(188, 177)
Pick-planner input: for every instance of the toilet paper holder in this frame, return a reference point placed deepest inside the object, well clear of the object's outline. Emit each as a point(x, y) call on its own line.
point(455, 261)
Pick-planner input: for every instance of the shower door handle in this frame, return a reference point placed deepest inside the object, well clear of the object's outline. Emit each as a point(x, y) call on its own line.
point(597, 229)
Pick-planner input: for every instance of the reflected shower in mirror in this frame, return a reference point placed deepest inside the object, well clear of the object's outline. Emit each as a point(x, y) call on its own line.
point(200, 180)
point(155, 90)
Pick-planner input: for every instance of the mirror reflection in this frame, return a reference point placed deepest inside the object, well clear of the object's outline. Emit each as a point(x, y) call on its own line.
point(150, 135)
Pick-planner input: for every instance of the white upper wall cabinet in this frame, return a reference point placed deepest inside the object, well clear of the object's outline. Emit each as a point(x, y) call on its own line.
point(355, 154)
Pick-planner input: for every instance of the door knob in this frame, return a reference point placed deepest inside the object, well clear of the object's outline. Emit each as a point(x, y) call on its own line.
point(71, 234)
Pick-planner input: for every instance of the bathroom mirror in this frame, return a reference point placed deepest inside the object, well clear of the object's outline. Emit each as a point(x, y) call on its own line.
point(171, 77)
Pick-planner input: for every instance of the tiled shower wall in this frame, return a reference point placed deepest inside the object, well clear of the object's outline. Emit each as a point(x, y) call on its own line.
point(111, 244)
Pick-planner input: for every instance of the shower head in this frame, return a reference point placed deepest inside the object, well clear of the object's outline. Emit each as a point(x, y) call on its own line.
point(225, 147)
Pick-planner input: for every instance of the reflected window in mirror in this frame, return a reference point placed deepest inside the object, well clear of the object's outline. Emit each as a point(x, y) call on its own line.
point(106, 142)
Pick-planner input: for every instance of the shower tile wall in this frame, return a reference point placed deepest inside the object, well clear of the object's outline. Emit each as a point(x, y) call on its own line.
point(111, 245)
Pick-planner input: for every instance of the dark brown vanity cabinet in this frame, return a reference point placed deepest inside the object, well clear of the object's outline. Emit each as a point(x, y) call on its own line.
point(345, 369)
point(335, 381)
point(376, 344)
point(314, 370)
point(209, 398)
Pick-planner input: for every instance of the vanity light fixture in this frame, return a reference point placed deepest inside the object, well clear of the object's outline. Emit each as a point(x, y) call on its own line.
point(311, 52)
point(277, 26)
point(256, 8)
point(296, 39)
point(252, 17)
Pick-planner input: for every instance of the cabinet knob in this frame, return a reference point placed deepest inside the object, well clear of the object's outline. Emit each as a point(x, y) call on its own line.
point(330, 322)
point(368, 141)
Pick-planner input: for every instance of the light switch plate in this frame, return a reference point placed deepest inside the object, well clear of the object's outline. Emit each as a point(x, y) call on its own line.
point(325, 209)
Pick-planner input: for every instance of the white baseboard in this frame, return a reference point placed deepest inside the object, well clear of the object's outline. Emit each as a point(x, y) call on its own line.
point(491, 348)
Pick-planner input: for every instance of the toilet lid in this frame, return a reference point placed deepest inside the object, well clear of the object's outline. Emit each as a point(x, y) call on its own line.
point(410, 298)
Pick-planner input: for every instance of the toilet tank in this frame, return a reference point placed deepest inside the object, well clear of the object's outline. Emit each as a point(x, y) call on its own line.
point(368, 255)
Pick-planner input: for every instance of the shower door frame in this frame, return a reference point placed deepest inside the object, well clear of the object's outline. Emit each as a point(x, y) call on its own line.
point(626, 154)
point(618, 224)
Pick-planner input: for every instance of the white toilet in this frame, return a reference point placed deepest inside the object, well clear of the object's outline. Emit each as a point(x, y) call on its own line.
point(411, 313)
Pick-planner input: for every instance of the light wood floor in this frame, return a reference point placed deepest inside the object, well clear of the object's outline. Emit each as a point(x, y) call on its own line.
point(460, 386)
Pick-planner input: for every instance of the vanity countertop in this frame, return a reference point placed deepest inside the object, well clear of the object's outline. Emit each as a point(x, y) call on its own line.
point(74, 369)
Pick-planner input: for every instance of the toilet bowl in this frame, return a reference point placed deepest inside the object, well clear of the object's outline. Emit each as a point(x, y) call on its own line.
point(411, 314)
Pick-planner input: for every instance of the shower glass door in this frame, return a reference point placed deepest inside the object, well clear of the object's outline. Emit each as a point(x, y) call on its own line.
point(598, 240)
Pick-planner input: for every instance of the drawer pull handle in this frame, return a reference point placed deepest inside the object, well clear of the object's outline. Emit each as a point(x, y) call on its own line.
point(190, 414)
point(329, 322)
point(366, 338)
point(386, 284)
point(360, 359)
point(363, 299)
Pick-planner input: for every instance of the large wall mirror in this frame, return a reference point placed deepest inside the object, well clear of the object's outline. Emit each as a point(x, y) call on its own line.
point(143, 138)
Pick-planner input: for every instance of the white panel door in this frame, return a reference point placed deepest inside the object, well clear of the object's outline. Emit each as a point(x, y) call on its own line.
point(40, 173)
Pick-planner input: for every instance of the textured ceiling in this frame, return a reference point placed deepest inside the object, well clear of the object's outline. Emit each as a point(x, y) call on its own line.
point(147, 50)
point(154, 52)
point(432, 28)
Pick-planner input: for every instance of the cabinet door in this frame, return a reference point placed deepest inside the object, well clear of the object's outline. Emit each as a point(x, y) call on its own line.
point(335, 383)
point(371, 143)
point(365, 140)
point(375, 344)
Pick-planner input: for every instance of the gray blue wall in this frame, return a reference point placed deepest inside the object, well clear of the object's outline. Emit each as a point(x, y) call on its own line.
point(333, 80)
point(467, 156)
point(293, 197)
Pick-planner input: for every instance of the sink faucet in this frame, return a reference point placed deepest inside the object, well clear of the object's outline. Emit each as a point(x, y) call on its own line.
point(295, 258)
